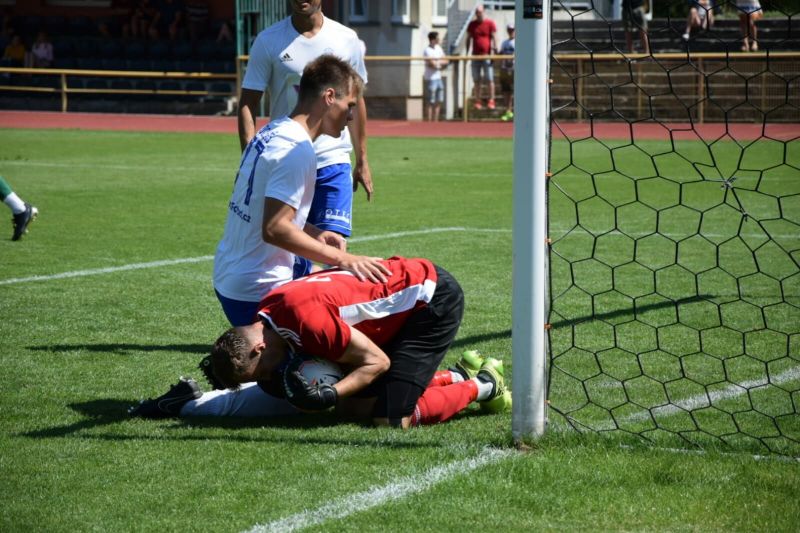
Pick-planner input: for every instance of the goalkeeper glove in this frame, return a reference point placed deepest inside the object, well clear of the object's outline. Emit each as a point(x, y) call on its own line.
point(302, 395)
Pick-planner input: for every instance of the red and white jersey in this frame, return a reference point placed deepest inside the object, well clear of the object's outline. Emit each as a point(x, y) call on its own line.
point(315, 313)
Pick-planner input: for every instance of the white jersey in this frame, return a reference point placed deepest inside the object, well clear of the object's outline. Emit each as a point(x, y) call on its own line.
point(433, 52)
point(278, 163)
point(277, 59)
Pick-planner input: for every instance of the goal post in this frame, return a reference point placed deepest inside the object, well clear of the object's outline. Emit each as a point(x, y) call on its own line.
point(531, 140)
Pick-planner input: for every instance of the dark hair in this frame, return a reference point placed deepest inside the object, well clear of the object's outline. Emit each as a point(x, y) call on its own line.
point(325, 72)
point(230, 358)
point(433, 35)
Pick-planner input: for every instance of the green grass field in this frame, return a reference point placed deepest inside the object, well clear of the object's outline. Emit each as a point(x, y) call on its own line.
point(77, 350)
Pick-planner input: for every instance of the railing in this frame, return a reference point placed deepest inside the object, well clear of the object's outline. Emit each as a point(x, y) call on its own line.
point(64, 90)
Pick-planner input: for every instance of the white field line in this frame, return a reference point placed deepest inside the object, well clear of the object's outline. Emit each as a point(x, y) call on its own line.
point(169, 262)
point(700, 401)
point(377, 496)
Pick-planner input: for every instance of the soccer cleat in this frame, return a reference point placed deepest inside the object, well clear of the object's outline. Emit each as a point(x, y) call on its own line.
point(469, 365)
point(491, 104)
point(169, 403)
point(22, 220)
point(500, 400)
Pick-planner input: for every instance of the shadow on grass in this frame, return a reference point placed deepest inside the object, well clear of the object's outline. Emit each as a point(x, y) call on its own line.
point(101, 413)
point(124, 348)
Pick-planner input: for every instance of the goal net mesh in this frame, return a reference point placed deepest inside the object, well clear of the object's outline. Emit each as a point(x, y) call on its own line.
point(674, 226)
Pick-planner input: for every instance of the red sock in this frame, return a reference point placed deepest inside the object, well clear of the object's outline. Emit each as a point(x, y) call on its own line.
point(441, 378)
point(438, 404)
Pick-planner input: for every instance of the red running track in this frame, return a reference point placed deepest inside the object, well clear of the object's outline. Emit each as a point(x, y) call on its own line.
point(400, 128)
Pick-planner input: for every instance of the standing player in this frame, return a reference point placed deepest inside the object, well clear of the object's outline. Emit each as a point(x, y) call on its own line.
point(266, 225)
point(390, 336)
point(434, 64)
point(277, 58)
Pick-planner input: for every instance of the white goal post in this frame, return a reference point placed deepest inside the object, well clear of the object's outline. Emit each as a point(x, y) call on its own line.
point(531, 141)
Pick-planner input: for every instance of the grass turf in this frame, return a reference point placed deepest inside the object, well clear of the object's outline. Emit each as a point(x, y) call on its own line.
point(77, 351)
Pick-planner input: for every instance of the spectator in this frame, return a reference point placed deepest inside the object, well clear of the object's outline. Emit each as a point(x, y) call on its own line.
point(433, 75)
point(15, 52)
point(141, 18)
point(42, 51)
point(749, 13)
point(634, 15)
point(197, 19)
point(481, 35)
point(23, 212)
point(701, 17)
point(168, 19)
point(507, 74)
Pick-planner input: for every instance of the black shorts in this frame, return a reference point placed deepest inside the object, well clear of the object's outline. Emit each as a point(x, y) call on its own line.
point(418, 349)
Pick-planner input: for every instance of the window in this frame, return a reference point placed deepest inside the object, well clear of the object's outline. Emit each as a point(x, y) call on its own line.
point(440, 12)
point(358, 11)
point(401, 12)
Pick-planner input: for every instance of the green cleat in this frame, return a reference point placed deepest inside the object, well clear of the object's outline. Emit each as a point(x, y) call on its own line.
point(469, 365)
point(500, 401)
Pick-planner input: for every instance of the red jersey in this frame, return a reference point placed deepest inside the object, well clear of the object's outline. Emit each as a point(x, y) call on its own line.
point(481, 34)
point(315, 313)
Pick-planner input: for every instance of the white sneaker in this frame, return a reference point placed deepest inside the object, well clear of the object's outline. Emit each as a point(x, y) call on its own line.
point(685, 36)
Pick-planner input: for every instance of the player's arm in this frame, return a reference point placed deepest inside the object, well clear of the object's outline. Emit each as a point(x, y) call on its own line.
point(367, 361)
point(278, 229)
point(358, 134)
point(249, 102)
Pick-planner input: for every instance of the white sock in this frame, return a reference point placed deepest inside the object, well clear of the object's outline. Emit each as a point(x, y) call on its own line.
point(15, 203)
point(485, 389)
point(456, 376)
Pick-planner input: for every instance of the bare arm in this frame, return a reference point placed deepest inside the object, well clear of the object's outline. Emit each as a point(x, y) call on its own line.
point(358, 134)
point(279, 230)
point(249, 102)
point(367, 360)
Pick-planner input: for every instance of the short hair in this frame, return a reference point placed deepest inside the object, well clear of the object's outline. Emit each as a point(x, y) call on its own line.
point(328, 71)
point(433, 35)
point(230, 358)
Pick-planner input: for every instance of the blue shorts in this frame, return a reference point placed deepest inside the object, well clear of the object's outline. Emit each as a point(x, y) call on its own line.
point(484, 65)
point(331, 207)
point(435, 91)
point(239, 313)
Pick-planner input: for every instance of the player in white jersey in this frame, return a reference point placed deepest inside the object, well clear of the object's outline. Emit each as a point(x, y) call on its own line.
point(277, 58)
point(266, 224)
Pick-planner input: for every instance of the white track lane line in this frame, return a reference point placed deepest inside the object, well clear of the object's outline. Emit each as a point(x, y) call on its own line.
point(377, 496)
point(169, 262)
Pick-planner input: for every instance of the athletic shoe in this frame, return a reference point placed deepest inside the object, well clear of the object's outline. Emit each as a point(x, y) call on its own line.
point(492, 371)
point(170, 403)
point(491, 104)
point(508, 115)
point(22, 220)
point(469, 365)
point(685, 36)
point(477, 105)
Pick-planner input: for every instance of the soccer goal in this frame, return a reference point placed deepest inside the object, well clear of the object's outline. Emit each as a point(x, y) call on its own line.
point(657, 226)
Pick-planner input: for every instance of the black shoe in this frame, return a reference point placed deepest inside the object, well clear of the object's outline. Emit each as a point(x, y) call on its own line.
point(22, 220)
point(169, 403)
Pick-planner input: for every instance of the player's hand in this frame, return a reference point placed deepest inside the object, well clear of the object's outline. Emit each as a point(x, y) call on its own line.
point(302, 395)
point(366, 268)
point(363, 175)
point(331, 238)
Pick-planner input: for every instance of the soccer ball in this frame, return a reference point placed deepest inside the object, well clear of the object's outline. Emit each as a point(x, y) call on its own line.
point(316, 370)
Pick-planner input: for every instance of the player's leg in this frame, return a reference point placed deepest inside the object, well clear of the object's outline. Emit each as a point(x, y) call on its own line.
point(331, 208)
point(23, 213)
point(416, 352)
point(489, 66)
point(477, 80)
point(249, 400)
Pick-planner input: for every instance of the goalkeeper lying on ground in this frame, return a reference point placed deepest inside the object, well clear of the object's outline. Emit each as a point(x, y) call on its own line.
point(389, 337)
